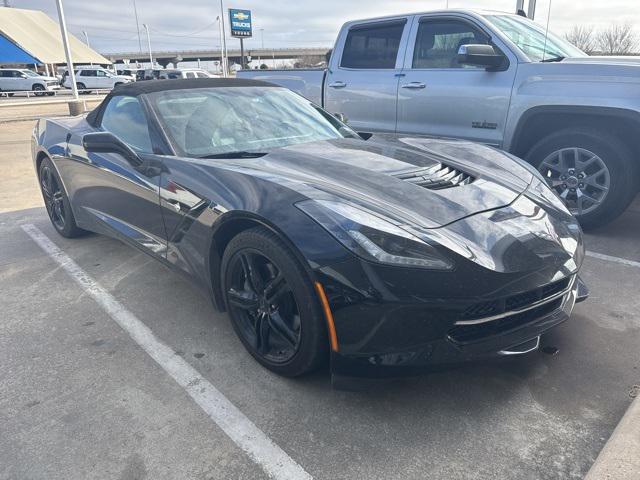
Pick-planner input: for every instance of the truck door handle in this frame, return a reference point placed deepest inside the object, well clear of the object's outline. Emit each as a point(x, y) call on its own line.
point(414, 85)
point(338, 84)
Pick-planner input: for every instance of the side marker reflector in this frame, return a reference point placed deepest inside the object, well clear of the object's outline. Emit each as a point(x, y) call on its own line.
point(333, 338)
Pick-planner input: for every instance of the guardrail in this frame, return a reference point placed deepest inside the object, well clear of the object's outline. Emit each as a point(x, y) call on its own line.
point(61, 92)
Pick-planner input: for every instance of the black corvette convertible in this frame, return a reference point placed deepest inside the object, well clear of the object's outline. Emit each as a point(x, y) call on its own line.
point(381, 253)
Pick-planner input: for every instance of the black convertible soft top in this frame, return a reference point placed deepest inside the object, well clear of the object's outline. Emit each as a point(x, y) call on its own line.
point(134, 89)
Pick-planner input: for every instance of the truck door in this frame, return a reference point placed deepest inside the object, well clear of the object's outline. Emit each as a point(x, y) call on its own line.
point(362, 81)
point(438, 96)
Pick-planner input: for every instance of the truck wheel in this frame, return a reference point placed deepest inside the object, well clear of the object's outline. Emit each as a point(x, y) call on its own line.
point(38, 90)
point(81, 86)
point(591, 170)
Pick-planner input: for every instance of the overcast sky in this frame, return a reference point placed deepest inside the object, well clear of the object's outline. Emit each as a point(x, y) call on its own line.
point(191, 24)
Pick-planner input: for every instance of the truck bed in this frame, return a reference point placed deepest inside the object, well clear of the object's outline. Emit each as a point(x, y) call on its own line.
point(306, 82)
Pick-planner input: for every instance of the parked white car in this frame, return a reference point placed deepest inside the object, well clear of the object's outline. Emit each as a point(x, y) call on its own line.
point(17, 79)
point(95, 79)
point(185, 73)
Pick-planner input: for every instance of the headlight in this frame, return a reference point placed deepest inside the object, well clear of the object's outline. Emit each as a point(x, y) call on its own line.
point(373, 237)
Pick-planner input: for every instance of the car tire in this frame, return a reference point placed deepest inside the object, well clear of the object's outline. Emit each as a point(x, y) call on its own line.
point(117, 84)
point(39, 90)
point(254, 257)
point(605, 163)
point(56, 201)
point(81, 86)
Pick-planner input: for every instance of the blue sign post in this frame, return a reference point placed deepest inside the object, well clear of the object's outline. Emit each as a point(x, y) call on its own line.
point(240, 21)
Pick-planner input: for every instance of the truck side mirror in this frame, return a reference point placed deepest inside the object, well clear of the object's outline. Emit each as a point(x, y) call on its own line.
point(480, 56)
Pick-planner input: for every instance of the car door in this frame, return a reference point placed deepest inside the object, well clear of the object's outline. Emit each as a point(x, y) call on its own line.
point(84, 77)
point(5, 80)
point(21, 81)
point(103, 79)
point(113, 194)
point(438, 96)
point(362, 80)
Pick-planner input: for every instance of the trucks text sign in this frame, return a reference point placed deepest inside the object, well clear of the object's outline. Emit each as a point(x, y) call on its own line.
point(240, 21)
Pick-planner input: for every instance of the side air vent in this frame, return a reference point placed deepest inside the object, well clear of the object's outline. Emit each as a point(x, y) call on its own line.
point(436, 177)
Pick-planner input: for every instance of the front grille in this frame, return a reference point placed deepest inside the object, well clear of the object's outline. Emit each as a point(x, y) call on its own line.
point(514, 302)
point(472, 333)
point(436, 177)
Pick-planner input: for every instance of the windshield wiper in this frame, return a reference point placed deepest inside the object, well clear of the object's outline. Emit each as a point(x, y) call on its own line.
point(239, 154)
point(559, 58)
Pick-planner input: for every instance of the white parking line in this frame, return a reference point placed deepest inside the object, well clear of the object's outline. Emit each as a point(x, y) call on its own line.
point(609, 258)
point(273, 460)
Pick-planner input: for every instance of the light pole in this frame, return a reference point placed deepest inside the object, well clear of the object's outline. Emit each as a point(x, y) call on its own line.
point(224, 41)
point(135, 11)
point(223, 62)
point(67, 50)
point(261, 46)
point(146, 27)
point(86, 40)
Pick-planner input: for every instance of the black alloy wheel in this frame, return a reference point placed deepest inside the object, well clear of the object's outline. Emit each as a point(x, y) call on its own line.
point(272, 304)
point(52, 194)
point(57, 202)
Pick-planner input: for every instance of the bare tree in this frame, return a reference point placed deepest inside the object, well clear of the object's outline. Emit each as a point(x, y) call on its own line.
point(617, 39)
point(582, 36)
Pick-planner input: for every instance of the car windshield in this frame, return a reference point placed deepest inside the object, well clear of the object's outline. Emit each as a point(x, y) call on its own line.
point(208, 122)
point(531, 39)
point(29, 73)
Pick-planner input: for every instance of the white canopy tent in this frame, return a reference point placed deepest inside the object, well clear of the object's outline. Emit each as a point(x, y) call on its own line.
point(38, 35)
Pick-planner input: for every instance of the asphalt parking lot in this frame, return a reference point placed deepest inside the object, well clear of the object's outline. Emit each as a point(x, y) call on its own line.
point(80, 399)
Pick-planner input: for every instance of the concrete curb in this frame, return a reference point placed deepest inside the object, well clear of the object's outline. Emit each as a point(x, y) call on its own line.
point(620, 457)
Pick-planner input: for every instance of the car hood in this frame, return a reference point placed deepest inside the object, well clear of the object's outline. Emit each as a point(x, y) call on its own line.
point(611, 60)
point(374, 174)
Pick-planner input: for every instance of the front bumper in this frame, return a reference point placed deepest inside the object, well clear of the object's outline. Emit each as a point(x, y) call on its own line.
point(399, 321)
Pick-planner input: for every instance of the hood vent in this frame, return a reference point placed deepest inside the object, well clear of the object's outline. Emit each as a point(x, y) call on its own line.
point(436, 177)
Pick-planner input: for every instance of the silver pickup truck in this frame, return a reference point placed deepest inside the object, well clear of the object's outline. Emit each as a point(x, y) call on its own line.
point(494, 78)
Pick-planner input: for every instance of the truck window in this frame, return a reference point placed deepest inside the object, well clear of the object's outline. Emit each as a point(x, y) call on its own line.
point(438, 41)
point(372, 45)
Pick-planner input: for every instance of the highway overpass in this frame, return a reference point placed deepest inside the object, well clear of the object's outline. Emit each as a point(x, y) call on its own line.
point(165, 58)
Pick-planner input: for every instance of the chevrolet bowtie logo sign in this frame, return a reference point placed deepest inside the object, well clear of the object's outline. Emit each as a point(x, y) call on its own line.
point(241, 16)
point(240, 21)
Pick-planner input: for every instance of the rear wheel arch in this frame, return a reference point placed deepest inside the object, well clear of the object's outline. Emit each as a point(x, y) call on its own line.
point(39, 158)
point(225, 229)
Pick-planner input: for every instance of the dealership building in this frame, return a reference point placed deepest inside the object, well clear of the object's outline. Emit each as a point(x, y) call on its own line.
point(31, 38)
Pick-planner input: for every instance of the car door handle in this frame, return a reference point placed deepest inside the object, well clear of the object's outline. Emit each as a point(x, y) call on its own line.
point(414, 85)
point(338, 84)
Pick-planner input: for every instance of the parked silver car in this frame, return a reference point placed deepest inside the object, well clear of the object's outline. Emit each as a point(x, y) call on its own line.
point(494, 78)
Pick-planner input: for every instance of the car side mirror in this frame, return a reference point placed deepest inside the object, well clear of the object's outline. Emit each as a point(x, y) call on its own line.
point(480, 56)
point(107, 142)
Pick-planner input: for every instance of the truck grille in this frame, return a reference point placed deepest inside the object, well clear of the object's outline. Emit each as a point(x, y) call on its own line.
point(436, 177)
